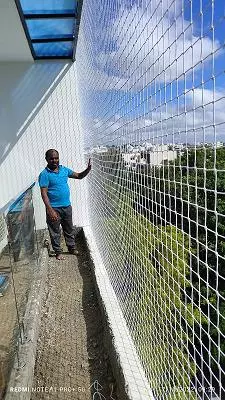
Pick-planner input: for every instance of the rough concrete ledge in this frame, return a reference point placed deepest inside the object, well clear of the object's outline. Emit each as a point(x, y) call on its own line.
point(128, 371)
point(21, 378)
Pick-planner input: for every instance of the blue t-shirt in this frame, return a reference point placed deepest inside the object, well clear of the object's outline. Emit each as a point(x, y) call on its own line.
point(57, 184)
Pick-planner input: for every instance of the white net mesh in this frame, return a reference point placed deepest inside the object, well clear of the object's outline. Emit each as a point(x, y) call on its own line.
point(151, 87)
point(2, 228)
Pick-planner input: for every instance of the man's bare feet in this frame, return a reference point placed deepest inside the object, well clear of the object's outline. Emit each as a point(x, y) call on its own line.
point(59, 257)
point(73, 251)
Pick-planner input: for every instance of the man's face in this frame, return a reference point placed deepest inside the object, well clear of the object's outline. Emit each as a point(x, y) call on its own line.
point(53, 160)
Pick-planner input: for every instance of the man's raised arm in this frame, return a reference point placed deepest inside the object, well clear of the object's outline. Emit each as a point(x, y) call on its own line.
point(81, 175)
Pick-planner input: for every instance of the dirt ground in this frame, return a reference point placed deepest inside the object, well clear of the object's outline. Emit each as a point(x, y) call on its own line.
point(72, 362)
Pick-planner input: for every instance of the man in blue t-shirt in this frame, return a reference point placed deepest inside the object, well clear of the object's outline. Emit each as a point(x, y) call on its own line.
point(53, 181)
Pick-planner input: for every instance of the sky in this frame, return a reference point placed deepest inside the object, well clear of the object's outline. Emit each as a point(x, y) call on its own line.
point(154, 70)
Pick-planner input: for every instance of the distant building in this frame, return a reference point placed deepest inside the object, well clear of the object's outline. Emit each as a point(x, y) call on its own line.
point(178, 146)
point(156, 155)
point(132, 160)
point(99, 149)
point(219, 144)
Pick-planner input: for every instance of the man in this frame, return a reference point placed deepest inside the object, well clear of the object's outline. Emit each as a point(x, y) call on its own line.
point(56, 197)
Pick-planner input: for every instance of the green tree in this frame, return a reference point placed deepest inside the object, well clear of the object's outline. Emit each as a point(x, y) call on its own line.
point(190, 194)
point(158, 259)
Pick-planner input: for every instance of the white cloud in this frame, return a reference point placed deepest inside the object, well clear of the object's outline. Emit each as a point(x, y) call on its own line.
point(151, 45)
point(143, 48)
point(203, 118)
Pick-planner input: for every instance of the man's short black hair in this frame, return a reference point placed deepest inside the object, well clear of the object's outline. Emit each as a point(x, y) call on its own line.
point(48, 152)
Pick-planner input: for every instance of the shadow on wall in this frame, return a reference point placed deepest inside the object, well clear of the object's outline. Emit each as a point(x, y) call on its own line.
point(24, 88)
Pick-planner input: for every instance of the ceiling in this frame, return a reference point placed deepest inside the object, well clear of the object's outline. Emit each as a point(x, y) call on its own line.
point(13, 41)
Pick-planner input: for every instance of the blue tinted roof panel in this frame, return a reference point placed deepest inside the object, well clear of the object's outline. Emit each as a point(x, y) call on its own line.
point(48, 6)
point(51, 26)
point(56, 49)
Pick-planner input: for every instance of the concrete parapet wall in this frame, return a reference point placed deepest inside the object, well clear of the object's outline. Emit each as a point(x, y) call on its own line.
point(127, 369)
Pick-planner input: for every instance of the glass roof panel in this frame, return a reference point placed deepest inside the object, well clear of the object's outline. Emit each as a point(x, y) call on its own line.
point(56, 49)
point(48, 6)
point(50, 28)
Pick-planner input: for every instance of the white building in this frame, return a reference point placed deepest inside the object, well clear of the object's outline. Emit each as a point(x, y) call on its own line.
point(99, 149)
point(132, 160)
point(158, 157)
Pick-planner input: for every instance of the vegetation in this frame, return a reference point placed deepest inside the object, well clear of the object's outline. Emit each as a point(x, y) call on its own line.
point(165, 240)
point(189, 194)
point(157, 302)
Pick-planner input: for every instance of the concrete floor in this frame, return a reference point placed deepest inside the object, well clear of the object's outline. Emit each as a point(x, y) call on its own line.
point(71, 361)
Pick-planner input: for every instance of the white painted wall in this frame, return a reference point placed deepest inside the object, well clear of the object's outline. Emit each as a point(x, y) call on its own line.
point(39, 110)
point(24, 87)
point(13, 41)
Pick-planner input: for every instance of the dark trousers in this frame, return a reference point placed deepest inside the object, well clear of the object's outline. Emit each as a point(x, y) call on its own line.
point(65, 220)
